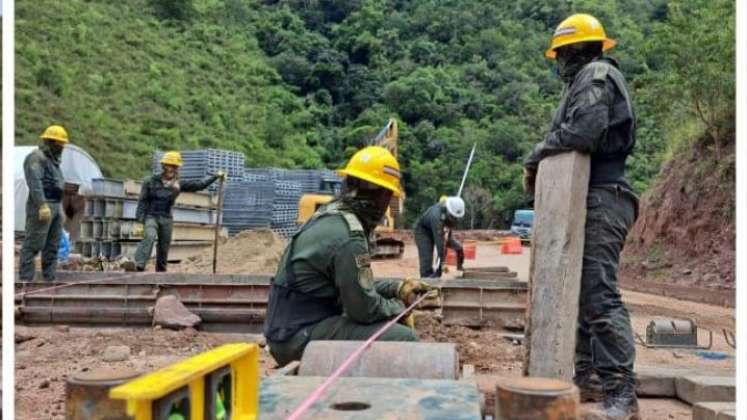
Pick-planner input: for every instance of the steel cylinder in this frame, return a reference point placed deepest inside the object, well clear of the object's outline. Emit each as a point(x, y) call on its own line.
point(536, 399)
point(383, 359)
point(87, 395)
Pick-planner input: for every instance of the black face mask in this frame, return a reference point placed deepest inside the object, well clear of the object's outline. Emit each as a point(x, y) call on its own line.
point(53, 149)
point(369, 205)
point(570, 62)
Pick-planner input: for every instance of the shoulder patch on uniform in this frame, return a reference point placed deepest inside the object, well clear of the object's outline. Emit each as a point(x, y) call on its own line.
point(599, 70)
point(353, 223)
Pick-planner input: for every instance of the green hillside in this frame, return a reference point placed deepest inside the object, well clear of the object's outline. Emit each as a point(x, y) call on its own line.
point(303, 83)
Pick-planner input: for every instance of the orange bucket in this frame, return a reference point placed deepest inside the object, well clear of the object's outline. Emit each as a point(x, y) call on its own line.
point(470, 250)
point(512, 245)
point(451, 258)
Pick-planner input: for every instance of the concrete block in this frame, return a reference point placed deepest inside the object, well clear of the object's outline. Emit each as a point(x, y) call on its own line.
point(657, 383)
point(714, 410)
point(695, 389)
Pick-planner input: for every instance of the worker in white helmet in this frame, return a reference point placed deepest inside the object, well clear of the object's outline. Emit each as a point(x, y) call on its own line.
point(430, 230)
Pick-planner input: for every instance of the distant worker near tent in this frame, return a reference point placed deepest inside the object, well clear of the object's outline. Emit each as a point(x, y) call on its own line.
point(43, 210)
point(324, 287)
point(595, 116)
point(154, 209)
point(430, 230)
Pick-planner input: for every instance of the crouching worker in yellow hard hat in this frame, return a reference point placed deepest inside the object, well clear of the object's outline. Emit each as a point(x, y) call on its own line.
point(43, 212)
point(324, 288)
point(154, 219)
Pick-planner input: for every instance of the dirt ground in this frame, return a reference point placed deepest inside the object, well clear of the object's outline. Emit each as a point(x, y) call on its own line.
point(47, 356)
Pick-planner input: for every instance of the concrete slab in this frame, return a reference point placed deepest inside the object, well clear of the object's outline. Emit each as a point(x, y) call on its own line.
point(695, 389)
point(713, 410)
point(370, 398)
point(657, 382)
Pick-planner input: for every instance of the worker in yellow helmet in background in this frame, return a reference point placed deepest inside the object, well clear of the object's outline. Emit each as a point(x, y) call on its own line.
point(595, 117)
point(43, 211)
point(324, 287)
point(154, 207)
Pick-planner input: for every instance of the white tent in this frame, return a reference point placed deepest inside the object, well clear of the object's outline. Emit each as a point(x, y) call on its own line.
point(78, 167)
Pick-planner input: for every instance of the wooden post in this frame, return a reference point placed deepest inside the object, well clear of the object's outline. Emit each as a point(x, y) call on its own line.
point(217, 226)
point(555, 270)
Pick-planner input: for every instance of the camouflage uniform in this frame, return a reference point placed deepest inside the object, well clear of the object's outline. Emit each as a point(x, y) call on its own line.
point(595, 116)
point(324, 289)
point(154, 211)
point(429, 232)
point(46, 184)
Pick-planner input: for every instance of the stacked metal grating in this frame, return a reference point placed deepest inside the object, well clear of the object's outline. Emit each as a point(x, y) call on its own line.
point(200, 163)
point(248, 203)
point(285, 207)
point(268, 197)
point(312, 180)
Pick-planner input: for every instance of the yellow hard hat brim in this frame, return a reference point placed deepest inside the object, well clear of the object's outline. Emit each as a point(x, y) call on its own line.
point(55, 138)
point(607, 44)
point(366, 177)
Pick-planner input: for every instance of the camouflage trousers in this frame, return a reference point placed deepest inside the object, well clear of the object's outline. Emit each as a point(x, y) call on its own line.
point(335, 328)
point(41, 237)
point(155, 229)
point(605, 339)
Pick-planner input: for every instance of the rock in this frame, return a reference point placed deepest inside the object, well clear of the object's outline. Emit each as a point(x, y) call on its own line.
point(687, 272)
point(169, 312)
point(116, 354)
point(62, 328)
point(44, 384)
point(677, 355)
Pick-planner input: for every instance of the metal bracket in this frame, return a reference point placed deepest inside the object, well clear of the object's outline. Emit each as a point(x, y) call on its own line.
point(665, 346)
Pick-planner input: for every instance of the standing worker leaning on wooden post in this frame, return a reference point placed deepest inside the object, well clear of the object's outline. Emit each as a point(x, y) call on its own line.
point(43, 211)
point(154, 219)
point(595, 116)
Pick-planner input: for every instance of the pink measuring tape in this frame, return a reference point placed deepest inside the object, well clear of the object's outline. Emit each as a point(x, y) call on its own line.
point(314, 397)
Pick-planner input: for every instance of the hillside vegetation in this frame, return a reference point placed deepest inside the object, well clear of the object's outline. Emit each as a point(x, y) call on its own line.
point(304, 83)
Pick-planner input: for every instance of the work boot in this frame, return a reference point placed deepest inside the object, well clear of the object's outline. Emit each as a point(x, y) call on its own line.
point(589, 386)
point(128, 266)
point(621, 402)
point(140, 268)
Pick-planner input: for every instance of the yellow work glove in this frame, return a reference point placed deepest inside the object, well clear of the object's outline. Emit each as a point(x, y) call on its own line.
point(138, 229)
point(45, 214)
point(410, 288)
point(408, 320)
point(530, 177)
point(221, 175)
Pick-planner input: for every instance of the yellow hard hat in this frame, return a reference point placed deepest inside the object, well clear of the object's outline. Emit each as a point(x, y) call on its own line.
point(578, 28)
point(172, 158)
point(442, 199)
point(376, 165)
point(56, 133)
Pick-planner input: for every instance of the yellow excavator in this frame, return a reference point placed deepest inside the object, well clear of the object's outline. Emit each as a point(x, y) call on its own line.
point(385, 244)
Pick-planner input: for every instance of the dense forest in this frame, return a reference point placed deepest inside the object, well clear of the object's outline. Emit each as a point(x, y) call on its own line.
point(304, 83)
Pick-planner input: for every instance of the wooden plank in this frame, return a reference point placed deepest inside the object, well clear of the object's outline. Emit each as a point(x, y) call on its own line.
point(555, 269)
